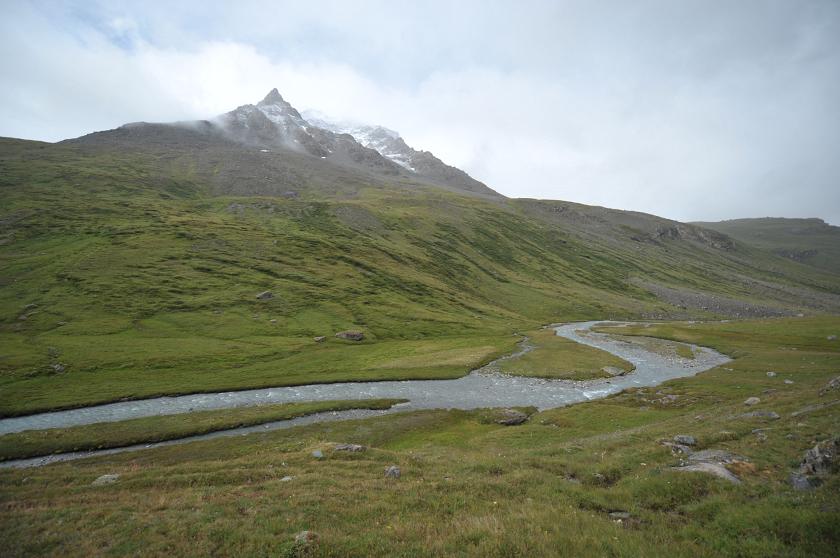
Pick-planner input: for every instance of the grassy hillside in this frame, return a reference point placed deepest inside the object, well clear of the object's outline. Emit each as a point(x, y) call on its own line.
point(130, 273)
point(809, 241)
point(594, 479)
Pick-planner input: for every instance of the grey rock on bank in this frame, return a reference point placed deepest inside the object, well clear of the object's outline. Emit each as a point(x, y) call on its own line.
point(512, 417)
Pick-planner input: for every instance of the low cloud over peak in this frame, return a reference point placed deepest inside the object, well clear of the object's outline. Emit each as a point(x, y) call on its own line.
point(686, 110)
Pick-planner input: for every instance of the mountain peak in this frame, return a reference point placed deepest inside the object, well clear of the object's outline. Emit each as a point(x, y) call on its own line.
point(273, 98)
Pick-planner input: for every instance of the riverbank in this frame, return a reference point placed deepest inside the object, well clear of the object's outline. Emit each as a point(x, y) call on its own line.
point(484, 387)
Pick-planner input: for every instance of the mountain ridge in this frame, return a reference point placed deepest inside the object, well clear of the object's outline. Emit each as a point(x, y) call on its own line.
point(274, 125)
point(810, 241)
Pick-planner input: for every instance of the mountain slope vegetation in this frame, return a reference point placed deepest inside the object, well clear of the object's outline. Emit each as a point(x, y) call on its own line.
point(131, 268)
point(810, 241)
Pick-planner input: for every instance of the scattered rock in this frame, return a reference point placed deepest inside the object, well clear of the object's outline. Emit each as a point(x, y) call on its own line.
point(306, 537)
point(273, 321)
point(665, 399)
point(752, 401)
point(613, 371)
point(318, 454)
point(800, 482)
point(392, 472)
point(832, 385)
point(771, 415)
point(714, 462)
point(771, 374)
point(715, 456)
point(350, 335)
point(58, 367)
point(832, 338)
point(105, 479)
point(320, 339)
point(711, 468)
point(511, 417)
point(265, 295)
point(818, 462)
point(354, 448)
point(788, 382)
point(678, 448)
point(815, 407)
point(619, 515)
point(819, 459)
point(685, 439)
point(286, 479)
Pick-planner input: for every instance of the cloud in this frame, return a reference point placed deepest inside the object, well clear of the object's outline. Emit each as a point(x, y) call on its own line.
point(678, 109)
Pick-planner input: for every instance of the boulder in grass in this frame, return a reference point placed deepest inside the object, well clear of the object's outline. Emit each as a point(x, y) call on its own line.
point(265, 295)
point(353, 448)
point(769, 415)
point(320, 339)
point(511, 417)
point(819, 462)
point(832, 385)
point(750, 401)
point(685, 439)
point(305, 538)
point(106, 479)
point(392, 472)
point(350, 335)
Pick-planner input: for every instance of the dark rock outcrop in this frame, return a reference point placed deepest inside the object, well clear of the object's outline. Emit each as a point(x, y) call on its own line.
point(350, 335)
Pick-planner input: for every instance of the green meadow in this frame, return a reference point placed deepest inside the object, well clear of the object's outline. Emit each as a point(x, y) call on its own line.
point(471, 487)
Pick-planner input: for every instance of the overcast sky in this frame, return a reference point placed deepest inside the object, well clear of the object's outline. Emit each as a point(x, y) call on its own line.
point(703, 110)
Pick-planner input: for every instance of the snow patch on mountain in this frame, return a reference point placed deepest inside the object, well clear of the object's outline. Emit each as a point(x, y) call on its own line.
point(387, 142)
